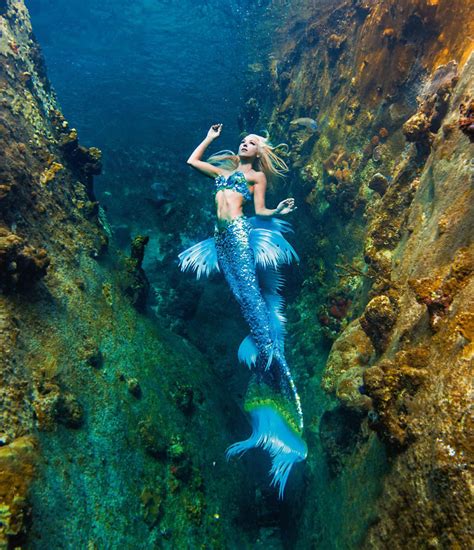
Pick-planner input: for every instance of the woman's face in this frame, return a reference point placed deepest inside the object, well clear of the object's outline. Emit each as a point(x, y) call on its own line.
point(248, 147)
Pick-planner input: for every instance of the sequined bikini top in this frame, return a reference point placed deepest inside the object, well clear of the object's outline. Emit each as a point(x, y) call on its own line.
point(236, 182)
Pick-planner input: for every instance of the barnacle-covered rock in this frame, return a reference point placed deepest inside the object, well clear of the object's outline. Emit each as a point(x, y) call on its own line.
point(437, 293)
point(87, 159)
point(417, 128)
point(340, 189)
point(335, 43)
point(378, 183)
point(137, 284)
point(47, 395)
point(21, 265)
point(418, 385)
point(378, 320)
point(466, 118)
point(17, 469)
point(349, 356)
point(391, 385)
point(433, 106)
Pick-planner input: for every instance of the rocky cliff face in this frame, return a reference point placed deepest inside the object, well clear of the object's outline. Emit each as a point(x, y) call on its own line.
point(104, 416)
point(387, 181)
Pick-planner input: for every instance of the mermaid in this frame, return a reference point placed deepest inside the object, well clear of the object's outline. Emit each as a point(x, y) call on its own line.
point(249, 252)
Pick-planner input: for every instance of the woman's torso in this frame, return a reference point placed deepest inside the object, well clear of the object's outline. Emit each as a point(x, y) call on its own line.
point(231, 192)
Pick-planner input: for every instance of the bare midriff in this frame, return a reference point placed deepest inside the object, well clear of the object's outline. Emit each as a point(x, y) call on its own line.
point(229, 205)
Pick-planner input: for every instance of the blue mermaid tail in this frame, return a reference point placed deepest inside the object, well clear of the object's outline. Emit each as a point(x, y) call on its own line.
point(271, 432)
point(249, 253)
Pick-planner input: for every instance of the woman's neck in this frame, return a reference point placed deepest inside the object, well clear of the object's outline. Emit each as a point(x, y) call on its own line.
point(245, 167)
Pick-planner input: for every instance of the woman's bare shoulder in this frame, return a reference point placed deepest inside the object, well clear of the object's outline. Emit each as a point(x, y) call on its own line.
point(256, 177)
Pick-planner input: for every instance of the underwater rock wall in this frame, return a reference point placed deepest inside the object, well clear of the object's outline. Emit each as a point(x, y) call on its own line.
point(421, 323)
point(112, 429)
point(377, 100)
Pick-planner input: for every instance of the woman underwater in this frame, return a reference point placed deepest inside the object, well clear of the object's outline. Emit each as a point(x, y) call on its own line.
point(249, 252)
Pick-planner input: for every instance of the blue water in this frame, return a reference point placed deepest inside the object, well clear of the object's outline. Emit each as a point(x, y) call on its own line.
point(154, 73)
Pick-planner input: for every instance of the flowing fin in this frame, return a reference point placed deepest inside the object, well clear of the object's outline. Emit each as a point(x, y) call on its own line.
point(271, 432)
point(277, 319)
point(272, 224)
point(248, 351)
point(271, 281)
point(270, 248)
point(201, 257)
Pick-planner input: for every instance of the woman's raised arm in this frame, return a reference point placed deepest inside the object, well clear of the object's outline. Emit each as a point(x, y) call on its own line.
point(195, 159)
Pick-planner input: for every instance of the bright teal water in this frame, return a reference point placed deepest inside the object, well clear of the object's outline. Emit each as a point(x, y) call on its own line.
point(151, 73)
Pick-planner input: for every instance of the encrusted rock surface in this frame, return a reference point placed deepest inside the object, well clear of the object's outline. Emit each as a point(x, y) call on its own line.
point(343, 375)
point(420, 388)
point(378, 320)
point(390, 87)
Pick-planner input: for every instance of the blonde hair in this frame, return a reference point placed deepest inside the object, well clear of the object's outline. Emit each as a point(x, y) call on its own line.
point(268, 162)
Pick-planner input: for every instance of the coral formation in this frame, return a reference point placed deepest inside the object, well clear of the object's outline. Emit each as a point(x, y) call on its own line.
point(17, 461)
point(438, 293)
point(433, 106)
point(391, 387)
point(466, 119)
point(137, 284)
point(21, 265)
point(340, 189)
point(347, 361)
point(378, 320)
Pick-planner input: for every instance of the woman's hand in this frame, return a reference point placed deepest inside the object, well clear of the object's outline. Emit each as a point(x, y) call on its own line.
point(286, 206)
point(214, 131)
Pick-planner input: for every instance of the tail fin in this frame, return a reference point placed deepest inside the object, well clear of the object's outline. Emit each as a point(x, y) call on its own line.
point(272, 432)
